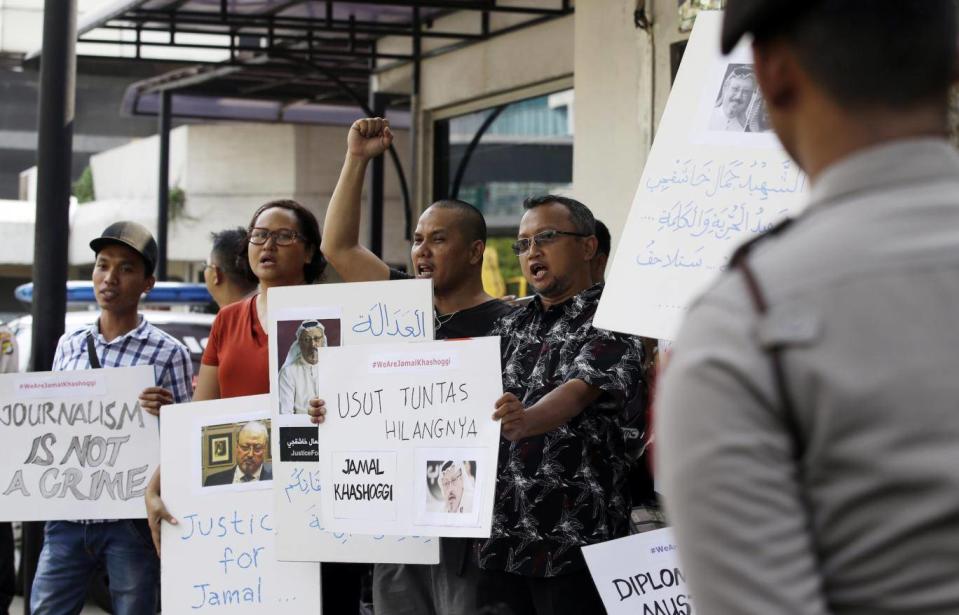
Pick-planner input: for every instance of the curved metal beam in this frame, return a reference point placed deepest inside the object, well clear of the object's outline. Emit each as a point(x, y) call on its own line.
point(404, 187)
point(474, 143)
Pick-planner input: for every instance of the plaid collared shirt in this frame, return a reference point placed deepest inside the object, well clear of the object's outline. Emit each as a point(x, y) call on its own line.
point(144, 345)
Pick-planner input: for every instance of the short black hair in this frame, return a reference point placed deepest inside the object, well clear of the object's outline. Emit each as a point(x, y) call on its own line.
point(473, 223)
point(228, 246)
point(603, 239)
point(876, 53)
point(310, 229)
point(580, 215)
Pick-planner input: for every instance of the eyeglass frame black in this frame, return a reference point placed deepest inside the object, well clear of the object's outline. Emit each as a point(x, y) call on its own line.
point(532, 240)
point(296, 235)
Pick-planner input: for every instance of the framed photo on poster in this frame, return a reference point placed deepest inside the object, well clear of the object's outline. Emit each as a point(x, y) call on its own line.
point(220, 447)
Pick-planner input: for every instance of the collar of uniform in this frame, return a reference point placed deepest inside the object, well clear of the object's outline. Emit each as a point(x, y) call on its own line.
point(593, 292)
point(139, 332)
point(901, 161)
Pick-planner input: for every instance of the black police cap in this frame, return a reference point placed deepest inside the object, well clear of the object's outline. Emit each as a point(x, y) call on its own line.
point(134, 236)
point(751, 16)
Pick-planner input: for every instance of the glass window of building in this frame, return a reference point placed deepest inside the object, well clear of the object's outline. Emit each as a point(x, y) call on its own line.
point(495, 158)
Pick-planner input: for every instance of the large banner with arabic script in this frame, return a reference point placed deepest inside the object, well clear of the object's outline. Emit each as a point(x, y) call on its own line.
point(303, 320)
point(716, 177)
point(76, 444)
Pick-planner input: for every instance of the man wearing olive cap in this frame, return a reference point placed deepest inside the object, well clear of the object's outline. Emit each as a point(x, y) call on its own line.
point(126, 255)
point(808, 443)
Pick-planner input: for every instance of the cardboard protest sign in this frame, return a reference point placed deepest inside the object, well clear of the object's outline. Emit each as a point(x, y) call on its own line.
point(304, 321)
point(217, 478)
point(76, 444)
point(640, 575)
point(409, 446)
point(716, 176)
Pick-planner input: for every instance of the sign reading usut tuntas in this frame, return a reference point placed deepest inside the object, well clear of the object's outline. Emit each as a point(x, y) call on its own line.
point(409, 446)
point(716, 176)
point(640, 575)
point(75, 444)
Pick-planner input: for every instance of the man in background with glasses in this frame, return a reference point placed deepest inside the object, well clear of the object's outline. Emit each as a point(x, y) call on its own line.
point(251, 445)
point(561, 482)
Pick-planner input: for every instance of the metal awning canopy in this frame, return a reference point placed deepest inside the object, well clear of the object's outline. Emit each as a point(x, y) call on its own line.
point(300, 61)
point(297, 61)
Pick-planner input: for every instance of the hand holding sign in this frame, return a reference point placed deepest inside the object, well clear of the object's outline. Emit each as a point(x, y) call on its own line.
point(317, 411)
point(511, 412)
point(153, 398)
point(156, 510)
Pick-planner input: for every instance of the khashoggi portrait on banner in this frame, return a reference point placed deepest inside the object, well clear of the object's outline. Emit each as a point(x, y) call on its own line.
point(236, 454)
point(299, 356)
point(451, 486)
point(739, 106)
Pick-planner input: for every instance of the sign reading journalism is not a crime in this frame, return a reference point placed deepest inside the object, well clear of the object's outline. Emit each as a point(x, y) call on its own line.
point(75, 444)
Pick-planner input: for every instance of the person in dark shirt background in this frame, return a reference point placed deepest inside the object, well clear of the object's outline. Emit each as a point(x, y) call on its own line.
point(448, 246)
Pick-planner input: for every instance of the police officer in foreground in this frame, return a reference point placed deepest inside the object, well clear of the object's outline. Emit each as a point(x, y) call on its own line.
point(809, 419)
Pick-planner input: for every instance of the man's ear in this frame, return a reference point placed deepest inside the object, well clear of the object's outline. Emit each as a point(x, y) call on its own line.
point(590, 245)
point(777, 73)
point(477, 250)
point(149, 284)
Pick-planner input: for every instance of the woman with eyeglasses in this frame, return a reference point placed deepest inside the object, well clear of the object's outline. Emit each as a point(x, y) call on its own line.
point(283, 249)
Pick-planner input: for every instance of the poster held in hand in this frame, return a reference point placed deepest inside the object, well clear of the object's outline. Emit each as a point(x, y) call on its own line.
point(305, 322)
point(222, 555)
point(76, 444)
point(409, 445)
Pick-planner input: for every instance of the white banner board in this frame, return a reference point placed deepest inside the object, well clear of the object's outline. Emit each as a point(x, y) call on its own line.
point(640, 575)
point(222, 556)
point(716, 176)
point(409, 446)
point(327, 316)
point(76, 444)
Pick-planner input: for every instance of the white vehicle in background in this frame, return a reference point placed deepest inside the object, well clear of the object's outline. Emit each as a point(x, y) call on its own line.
point(168, 306)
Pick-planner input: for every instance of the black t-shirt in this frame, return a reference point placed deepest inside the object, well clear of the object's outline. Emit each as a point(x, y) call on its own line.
point(476, 321)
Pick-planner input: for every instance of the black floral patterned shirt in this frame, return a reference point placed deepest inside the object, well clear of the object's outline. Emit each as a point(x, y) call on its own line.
point(566, 488)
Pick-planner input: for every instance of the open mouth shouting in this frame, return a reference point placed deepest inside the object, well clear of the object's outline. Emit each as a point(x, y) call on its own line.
point(538, 271)
point(424, 270)
point(267, 260)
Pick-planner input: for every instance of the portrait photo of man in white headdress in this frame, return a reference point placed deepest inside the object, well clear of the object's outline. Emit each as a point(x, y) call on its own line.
point(739, 106)
point(297, 378)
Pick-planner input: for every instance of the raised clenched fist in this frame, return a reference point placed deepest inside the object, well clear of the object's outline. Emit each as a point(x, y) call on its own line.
point(369, 137)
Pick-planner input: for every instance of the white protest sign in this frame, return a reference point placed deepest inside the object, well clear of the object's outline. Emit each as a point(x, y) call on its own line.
point(716, 176)
point(640, 575)
point(304, 318)
point(76, 444)
point(222, 556)
point(409, 446)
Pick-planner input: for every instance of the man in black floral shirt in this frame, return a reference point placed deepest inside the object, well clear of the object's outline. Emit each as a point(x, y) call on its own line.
point(562, 473)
